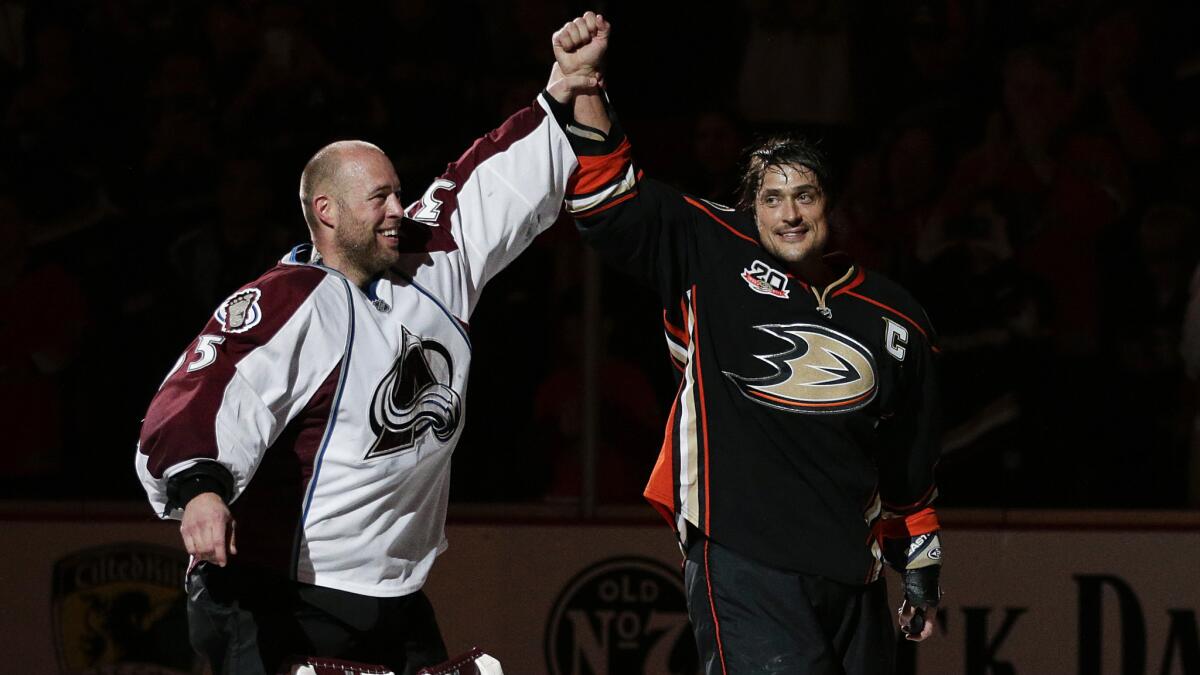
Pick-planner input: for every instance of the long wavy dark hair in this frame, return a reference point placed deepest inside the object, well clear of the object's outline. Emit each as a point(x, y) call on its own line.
point(782, 150)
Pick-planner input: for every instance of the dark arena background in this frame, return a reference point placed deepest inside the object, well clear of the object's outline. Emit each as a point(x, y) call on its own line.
point(1029, 169)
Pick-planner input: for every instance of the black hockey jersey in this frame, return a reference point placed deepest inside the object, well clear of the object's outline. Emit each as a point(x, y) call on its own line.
point(803, 414)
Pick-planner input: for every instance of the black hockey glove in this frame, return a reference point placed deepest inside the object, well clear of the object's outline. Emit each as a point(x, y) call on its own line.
point(921, 564)
point(918, 559)
point(921, 587)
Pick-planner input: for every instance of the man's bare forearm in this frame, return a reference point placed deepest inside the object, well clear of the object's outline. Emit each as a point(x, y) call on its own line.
point(590, 110)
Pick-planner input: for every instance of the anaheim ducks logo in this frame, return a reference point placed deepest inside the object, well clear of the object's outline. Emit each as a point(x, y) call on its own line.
point(824, 371)
point(414, 399)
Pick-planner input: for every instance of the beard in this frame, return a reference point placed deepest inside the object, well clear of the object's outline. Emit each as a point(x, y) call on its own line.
point(359, 247)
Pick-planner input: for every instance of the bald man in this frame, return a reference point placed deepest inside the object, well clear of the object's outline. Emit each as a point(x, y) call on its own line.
point(304, 437)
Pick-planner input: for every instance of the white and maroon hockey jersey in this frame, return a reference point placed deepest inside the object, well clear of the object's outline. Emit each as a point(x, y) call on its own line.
point(334, 409)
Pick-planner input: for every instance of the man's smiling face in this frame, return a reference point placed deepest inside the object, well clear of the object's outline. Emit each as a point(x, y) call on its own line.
point(369, 212)
point(789, 210)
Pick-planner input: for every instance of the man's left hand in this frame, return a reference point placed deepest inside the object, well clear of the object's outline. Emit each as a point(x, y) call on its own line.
point(908, 612)
point(922, 593)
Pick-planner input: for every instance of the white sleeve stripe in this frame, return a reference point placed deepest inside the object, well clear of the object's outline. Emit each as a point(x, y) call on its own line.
point(624, 185)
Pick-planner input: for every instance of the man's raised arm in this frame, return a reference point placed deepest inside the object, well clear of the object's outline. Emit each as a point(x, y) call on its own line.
point(579, 48)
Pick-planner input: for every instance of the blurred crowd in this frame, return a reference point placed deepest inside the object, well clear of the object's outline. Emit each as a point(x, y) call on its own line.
point(1030, 169)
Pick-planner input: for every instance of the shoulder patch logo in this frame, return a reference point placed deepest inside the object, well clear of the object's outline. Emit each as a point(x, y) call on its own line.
point(240, 312)
point(764, 279)
point(416, 398)
point(823, 371)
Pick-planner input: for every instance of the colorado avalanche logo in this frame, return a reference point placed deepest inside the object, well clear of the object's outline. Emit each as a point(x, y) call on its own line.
point(823, 372)
point(414, 399)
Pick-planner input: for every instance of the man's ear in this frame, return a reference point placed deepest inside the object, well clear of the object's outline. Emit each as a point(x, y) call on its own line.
point(325, 210)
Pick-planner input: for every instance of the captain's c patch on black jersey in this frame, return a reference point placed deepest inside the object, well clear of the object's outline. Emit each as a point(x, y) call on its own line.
point(823, 371)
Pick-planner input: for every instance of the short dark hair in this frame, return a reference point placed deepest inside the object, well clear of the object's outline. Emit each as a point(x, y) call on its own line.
point(784, 150)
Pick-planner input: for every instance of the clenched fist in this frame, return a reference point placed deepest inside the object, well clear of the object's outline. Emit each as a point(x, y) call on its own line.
point(579, 45)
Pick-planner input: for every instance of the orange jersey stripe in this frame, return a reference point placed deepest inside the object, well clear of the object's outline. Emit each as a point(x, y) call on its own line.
point(661, 486)
point(921, 522)
point(893, 310)
point(663, 510)
point(860, 275)
point(712, 606)
point(727, 226)
point(679, 333)
point(596, 171)
point(604, 207)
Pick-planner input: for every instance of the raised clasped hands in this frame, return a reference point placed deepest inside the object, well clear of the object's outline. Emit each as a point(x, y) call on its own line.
point(579, 48)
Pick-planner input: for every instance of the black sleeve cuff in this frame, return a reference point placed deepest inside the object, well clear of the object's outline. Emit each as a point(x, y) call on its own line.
point(203, 477)
point(585, 140)
point(561, 111)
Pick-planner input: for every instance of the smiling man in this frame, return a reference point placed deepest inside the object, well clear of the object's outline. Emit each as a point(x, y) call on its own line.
point(353, 185)
point(800, 449)
point(304, 437)
point(791, 218)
